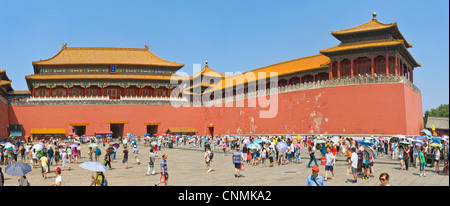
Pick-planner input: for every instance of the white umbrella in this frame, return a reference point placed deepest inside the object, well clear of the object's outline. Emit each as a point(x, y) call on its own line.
point(94, 166)
point(246, 142)
point(38, 147)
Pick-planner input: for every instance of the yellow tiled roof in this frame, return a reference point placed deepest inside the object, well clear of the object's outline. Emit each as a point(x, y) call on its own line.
point(283, 68)
point(4, 82)
point(362, 45)
point(207, 71)
point(19, 92)
point(104, 55)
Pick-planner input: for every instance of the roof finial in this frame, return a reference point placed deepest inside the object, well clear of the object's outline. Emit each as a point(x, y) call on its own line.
point(64, 45)
point(374, 14)
point(146, 46)
point(206, 62)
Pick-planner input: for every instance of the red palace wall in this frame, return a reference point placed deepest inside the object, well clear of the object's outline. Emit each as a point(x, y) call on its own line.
point(4, 121)
point(387, 109)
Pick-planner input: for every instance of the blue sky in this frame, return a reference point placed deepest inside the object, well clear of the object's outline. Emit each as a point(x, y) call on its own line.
point(232, 35)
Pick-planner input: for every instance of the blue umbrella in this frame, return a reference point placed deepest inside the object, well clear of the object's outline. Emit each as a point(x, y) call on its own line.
point(258, 141)
point(404, 142)
point(237, 136)
point(66, 140)
point(252, 146)
point(147, 134)
point(94, 166)
point(98, 135)
point(437, 139)
point(131, 135)
point(427, 132)
point(417, 141)
point(17, 169)
point(420, 137)
point(109, 135)
point(282, 147)
point(365, 142)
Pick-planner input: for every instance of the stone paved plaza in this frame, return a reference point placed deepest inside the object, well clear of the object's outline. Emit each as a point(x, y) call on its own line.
point(186, 167)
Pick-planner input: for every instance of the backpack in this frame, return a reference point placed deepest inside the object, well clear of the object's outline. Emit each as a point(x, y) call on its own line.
point(211, 155)
point(104, 181)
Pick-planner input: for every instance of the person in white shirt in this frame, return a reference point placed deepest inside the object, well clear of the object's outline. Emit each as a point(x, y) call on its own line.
point(58, 179)
point(329, 157)
point(437, 155)
point(208, 159)
point(354, 164)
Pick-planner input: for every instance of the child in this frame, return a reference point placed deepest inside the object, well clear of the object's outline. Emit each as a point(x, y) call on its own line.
point(422, 162)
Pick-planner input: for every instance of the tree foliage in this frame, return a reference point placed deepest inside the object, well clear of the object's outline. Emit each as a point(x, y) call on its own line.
point(441, 111)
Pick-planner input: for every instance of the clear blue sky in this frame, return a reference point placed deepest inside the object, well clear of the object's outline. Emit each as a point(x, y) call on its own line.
point(232, 35)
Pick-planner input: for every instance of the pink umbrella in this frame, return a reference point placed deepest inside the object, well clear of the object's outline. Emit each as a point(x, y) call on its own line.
point(298, 145)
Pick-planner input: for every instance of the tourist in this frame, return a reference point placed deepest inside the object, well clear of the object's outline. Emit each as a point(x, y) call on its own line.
point(416, 155)
point(75, 155)
point(354, 165)
point(297, 155)
point(366, 165)
point(151, 164)
point(107, 160)
point(44, 168)
point(349, 155)
point(436, 159)
point(57, 156)
point(400, 156)
point(69, 154)
point(384, 180)
point(237, 161)
point(64, 159)
point(207, 157)
point(50, 154)
point(28, 150)
point(164, 175)
point(2, 178)
point(33, 157)
point(271, 154)
point(315, 179)
point(125, 157)
point(97, 153)
point(406, 156)
point(372, 174)
point(329, 158)
point(422, 162)
point(263, 155)
point(136, 154)
point(22, 153)
point(312, 155)
point(58, 180)
point(89, 152)
point(23, 181)
point(98, 180)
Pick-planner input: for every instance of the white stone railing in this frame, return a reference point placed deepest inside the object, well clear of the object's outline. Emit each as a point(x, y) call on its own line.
point(356, 80)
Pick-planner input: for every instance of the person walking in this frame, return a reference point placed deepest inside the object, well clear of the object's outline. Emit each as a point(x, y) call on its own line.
point(329, 158)
point(97, 153)
point(415, 156)
point(400, 156)
point(151, 164)
point(422, 162)
point(64, 159)
point(136, 155)
point(89, 153)
point(354, 165)
point(406, 157)
point(125, 157)
point(237, 161)
point(312, 155)
point(107, 160)
point(437, 155)
point(50, 154)
point(33, 157)
point(315, 179)
point(164, 175)
point(99, 180)
point(44, 168)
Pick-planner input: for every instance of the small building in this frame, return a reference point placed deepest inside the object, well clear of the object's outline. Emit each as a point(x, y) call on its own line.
point(440, 125)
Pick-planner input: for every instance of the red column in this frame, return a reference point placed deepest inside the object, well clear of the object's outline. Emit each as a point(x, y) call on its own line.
point(351, 67)
point(301, 79)
point(411, 78)
point(101, 91)
point(339, 69)
point(372, 69)
point(51, 91)
point(387, 65)
point(330, 74)
point(124, 91)
point(84, 91)
point(287, 82)
point(33, 93)
point(154, 92)
point(67, 92)
point(140, 92)
point(396, 64)
point(402, 70)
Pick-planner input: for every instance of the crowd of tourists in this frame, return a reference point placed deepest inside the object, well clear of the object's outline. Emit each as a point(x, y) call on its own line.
point(252, 151)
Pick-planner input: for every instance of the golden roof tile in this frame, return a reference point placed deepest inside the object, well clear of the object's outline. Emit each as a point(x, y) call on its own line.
point(362, 45)
point(103, 76)
point(106, 55)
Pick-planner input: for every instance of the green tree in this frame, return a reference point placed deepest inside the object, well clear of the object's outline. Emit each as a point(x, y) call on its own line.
point(441, 111)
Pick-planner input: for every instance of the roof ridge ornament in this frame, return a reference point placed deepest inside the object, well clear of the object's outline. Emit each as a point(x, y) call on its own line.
point(206, 62)
point(374, 14)
point(64, 45)
point(146, 47)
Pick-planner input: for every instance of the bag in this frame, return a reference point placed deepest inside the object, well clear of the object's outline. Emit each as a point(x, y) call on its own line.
point(242, 166)
point(211, 156)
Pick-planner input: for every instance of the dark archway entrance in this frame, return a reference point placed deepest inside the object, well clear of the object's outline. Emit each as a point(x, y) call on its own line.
point(79, 130)
point(152, 129)
point(117, 130)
